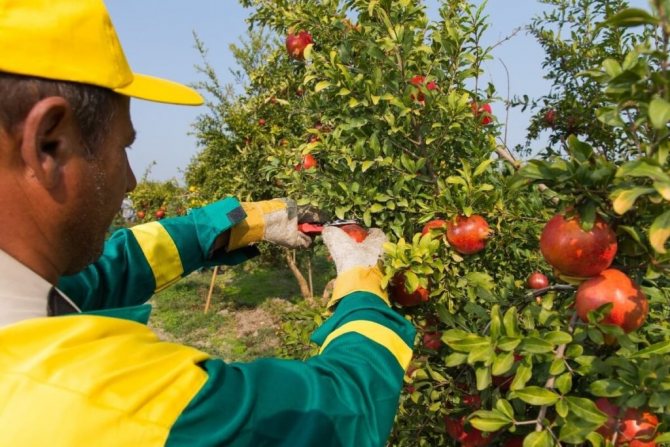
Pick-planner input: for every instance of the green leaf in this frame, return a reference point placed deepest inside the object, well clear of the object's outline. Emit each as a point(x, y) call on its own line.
point(376, 208)
point(455, 180)
point(624, 199)
point(481, 354)
point(535, 395)
point(557, 337)
point(643, 167)
point(483, 166)
point(321, 86)
point(564, 383)
point(585, 409)
point(483, 376)
point(468, 343)
point(340, 211)
point(562, 408)
point(596, 439)
point(663, 188)
point(587, 215)
point(580, 150)
point(636, 400)
point(307, 52)
point(496, 322)
point(508, 343)
point(539, 439)
point(612, 67)
point(662, 438)
point(659, 232)
point(489, 421)
point(557, 367)
point(659, 113)
point(523, 374)
point(609, 116)
point(455, 359)
point(607, 388)
point(631, 17)
point(505, 408)
point(660, 348)
point(502, 363)
point(575, 431)
point(510, 322)
point(535, 345)
point(411, 280)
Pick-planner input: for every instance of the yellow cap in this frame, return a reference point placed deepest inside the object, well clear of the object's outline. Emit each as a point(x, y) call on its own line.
point(74, 40)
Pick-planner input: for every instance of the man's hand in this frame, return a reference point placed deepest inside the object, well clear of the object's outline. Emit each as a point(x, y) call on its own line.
point(274, 221)
point(347, 253)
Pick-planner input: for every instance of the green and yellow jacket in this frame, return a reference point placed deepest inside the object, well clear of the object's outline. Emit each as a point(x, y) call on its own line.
point(102, 378)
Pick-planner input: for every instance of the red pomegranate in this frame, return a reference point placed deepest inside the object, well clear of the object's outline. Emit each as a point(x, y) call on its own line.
point(576, 252)
point(537, 280)
point(434, 224)
point(356, 232)
point(630, 305)
point(637, 428)
point(468, 235)
point(404, 298)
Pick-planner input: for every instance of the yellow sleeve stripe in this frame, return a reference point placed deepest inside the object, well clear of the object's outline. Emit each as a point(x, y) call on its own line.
point(379, 334)
point(160, 252)
point(359, 279)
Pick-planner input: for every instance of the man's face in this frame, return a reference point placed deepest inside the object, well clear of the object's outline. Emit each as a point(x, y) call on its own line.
point(102, 180)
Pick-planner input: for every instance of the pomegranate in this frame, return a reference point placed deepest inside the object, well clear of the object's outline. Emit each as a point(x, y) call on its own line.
point(630, 305)
point(576, 252)
point(468, 235)
point(400, 295)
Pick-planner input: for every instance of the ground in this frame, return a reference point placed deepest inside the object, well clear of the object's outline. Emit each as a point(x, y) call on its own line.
point(248, 306)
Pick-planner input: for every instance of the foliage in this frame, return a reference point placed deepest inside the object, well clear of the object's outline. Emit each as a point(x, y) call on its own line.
point(573, 43)
point(153, 200)
point(388, 103)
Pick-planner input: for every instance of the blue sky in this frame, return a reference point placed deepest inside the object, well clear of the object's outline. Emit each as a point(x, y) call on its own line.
point(157, 36)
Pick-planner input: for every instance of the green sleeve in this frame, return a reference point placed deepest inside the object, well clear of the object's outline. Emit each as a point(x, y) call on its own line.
point(126, 276)
point(345, 396)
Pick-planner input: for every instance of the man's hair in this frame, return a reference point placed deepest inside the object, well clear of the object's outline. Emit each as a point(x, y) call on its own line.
point(94, 107)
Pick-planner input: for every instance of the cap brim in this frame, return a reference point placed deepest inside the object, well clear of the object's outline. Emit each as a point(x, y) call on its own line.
point(160, 90)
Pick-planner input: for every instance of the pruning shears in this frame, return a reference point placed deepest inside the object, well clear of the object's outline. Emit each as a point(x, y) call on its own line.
point(315, 228)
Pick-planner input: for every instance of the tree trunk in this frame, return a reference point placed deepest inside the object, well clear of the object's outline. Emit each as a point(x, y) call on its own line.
point(302, 282)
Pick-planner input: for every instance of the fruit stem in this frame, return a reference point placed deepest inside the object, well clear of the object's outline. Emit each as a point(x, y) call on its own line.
point(560, 352)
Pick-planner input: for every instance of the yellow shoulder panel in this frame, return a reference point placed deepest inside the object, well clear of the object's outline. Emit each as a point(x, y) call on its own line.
point(160, 252)
point(92, 381)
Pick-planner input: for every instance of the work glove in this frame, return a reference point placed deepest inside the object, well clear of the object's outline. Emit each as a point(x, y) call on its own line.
point(347, 253)
point(274, 221)
point(356, 263)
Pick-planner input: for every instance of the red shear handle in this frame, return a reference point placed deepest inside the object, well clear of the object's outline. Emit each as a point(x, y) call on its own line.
point(310, 228)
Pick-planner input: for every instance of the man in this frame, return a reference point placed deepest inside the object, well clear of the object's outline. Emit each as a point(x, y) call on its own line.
point(77, 366)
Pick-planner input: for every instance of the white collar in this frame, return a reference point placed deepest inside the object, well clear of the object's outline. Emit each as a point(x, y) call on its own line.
point(23, 293)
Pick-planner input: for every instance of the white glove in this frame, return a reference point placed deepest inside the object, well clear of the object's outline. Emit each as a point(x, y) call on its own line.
point(347, 253)
point(274, 221)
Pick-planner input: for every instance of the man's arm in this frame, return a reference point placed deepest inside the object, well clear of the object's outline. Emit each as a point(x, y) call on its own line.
point(144, 259)
point(345, 396)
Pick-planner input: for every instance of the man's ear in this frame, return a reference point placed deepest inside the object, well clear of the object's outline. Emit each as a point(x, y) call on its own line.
point(50, 133)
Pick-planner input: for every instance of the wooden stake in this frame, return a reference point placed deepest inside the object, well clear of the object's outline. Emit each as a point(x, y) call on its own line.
point(211, 288)
point(309, 267)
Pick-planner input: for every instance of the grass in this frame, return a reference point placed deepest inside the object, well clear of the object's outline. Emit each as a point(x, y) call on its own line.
point(247, 306)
